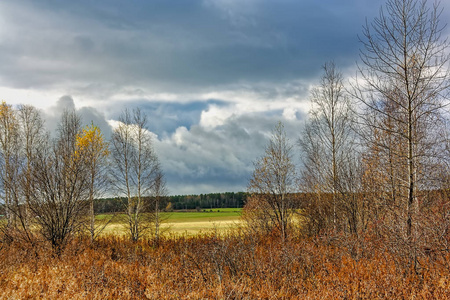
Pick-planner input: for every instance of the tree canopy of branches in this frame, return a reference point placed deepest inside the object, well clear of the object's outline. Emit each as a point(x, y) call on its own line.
point(60, 185)
point(46, 183)
point(273, 186)
point(21, 137)
point(403, 89)
point(92, 150)
point(330, 161)
point(10, 161)
point(137, 171)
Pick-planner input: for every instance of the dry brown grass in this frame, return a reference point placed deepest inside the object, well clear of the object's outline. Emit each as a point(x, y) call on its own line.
point(210, 266)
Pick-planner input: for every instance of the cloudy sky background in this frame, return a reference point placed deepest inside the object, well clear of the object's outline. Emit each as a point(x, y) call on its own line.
point(214, 77)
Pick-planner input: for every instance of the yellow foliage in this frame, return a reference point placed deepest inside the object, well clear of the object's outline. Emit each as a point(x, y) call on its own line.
point(90, 144)
point(7, 114)
point(5, 109)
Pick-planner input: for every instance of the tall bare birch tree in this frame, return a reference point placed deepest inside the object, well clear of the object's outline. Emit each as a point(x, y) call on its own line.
point(273, 186)
point(135, 170)
point(9, 163)
point(328, 150)
point(92, 150)
point(403, 88)
point(159, 194)
point(33, 137)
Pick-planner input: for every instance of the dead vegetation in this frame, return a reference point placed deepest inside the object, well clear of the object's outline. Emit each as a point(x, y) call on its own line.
point(235, 266)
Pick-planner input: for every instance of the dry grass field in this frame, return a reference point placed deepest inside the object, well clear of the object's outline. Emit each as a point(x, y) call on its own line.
point(238, 266)
point(212, 255)
point(186, 223)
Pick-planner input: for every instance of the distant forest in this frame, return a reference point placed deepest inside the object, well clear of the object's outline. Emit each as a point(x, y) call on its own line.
point(180, 202)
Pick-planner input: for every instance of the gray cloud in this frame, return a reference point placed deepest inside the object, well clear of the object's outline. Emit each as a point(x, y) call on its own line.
point(213, 76)
point(53, 114)
point(222, 157)
point(177, 45)
point(89, 115)
point(165, 117)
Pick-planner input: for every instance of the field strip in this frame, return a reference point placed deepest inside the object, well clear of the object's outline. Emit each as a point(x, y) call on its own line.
point(186, 227)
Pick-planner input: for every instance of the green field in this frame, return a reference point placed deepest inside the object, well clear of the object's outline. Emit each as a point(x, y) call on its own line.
point(184, 222)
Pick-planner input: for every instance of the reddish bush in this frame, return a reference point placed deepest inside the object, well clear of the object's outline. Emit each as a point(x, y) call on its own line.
point(213, 267)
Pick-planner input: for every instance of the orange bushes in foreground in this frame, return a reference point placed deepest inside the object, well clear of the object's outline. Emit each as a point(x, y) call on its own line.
point(211, 267)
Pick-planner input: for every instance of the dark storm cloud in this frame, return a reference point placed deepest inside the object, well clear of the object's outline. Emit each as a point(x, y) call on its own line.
point(176, 44)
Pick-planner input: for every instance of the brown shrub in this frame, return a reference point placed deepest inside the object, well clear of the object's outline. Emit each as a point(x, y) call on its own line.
point(235, 266)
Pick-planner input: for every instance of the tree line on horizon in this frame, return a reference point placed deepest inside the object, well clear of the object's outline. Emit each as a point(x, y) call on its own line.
point(181, 202)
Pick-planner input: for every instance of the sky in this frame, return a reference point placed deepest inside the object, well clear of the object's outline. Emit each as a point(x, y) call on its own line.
point(213, 76)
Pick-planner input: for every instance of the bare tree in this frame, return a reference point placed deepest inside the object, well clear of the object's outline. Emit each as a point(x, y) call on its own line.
point(159, 194)
point(329, 151)
point(22, 133)
point(317, 212)
point(60, 185)
point(135, 170)
point(10, 162)
point(46, 184)
point(92, 150)
point(403, 89)
point(273, 184)
point(33, 136)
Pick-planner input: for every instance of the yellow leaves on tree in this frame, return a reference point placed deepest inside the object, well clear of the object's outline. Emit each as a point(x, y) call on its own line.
point(7, 117)
point(5, 109)
point(91, 145)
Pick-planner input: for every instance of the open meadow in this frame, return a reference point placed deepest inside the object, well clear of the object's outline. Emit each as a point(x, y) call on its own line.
point(189, 222)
